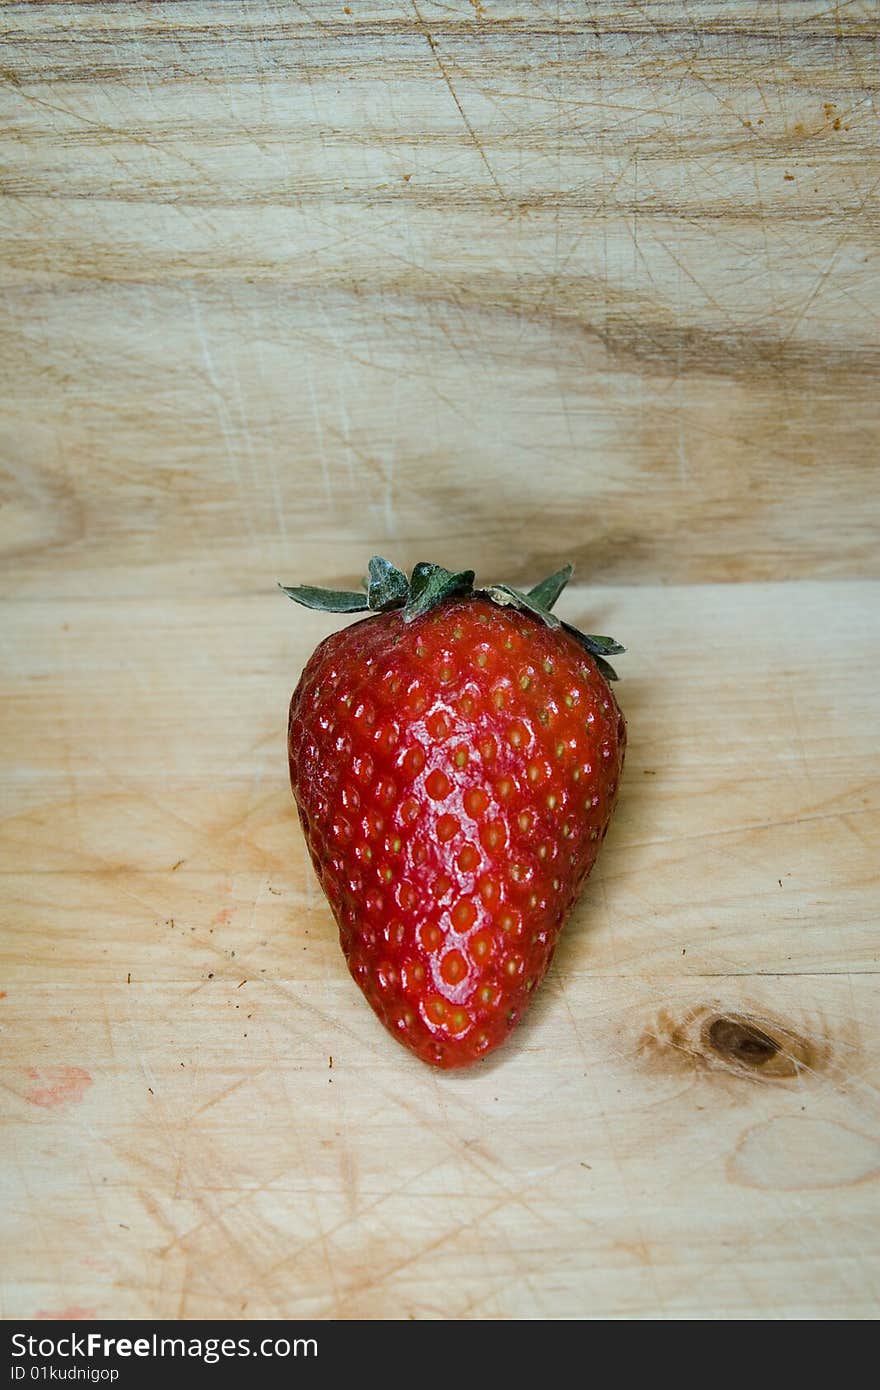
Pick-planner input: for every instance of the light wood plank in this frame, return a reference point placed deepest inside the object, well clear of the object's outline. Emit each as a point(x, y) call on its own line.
point(283, 289)
point(610, 1163)
point(216, 1165)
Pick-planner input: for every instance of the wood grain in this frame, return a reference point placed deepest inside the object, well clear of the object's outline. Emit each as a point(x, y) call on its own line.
point(283, 288)
point(493, 283)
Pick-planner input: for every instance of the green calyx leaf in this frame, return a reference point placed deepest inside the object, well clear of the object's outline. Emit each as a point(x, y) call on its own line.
point(606, 669)
point(327, 600)
point(600, 646)
point(387, 586)
point(597, 651)
point(505, 595)
point(539, 600)
point(545, 594)
point(432, 584)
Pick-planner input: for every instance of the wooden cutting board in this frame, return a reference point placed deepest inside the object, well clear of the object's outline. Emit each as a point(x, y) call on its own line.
point(485, 283)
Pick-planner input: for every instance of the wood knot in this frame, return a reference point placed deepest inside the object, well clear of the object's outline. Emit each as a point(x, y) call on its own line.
point(738, 1041)
point(748, 1044)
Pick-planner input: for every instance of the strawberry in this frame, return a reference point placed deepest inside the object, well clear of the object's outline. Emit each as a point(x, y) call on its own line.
point(455, 759)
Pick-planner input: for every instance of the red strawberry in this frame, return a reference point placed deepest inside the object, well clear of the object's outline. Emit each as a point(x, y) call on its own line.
point(455, 760)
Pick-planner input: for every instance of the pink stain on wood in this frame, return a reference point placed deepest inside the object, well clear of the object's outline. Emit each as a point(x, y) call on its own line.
point(72, 1314)
point(59, 1086)
point(221, 917)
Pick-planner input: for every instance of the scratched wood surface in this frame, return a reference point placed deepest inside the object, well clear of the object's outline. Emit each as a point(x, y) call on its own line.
point(492, 282)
